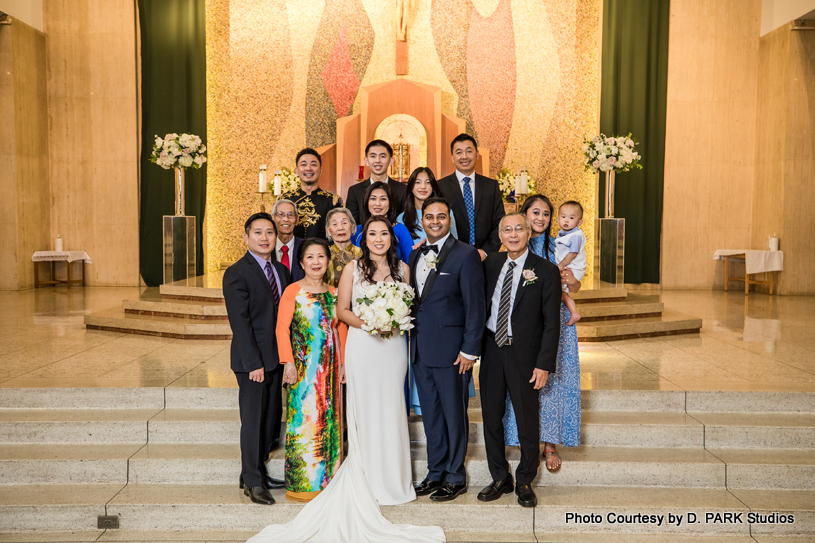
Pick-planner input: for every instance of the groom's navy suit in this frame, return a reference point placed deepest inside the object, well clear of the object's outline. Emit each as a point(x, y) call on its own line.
point(449, 317)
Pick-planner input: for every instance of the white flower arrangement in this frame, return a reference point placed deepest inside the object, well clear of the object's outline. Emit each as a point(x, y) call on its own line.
point(174, 151)
point(506, 181)
point(386, 308)
point(289, 181)
point(604, 154)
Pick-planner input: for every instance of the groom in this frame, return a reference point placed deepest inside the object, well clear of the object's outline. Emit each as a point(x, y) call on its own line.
point(450, 314)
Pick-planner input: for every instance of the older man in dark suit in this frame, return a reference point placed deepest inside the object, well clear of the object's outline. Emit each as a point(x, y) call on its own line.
point(475, 199)
point(520, 350)
point(252, 288)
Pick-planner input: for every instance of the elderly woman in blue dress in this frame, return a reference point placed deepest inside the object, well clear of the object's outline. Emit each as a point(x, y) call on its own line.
point(560, 397)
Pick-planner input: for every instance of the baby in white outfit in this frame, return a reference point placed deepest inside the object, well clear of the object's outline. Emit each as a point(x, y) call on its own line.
point(570, 249)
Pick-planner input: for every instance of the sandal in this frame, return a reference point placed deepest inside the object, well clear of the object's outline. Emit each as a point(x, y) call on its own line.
point(552, 454)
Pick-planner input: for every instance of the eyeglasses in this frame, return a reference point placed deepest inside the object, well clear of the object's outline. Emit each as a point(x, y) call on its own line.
point(281, 215)
point(509, 229)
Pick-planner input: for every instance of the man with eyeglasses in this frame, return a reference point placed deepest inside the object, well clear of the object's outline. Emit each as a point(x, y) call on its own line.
point(284, 213)
point(312, 202)
point(519, 353)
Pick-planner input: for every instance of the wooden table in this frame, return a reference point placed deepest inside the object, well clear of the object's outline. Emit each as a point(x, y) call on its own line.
point(53, 257)
point(759, 262)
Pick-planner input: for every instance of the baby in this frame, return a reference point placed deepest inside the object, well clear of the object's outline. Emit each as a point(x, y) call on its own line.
point(570, 249)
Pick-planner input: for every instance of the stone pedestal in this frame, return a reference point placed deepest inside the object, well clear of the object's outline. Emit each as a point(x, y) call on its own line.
point(609, 259)
point(179, 248)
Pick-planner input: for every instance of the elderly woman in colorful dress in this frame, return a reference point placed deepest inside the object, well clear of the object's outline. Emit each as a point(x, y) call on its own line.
point(340, 226)
point(560, 397)
point(309, 345)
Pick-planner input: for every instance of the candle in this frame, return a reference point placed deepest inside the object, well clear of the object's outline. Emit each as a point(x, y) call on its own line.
point(524, 183)
point(262, 187)
point(518, 184)
point(278, 183)
point(361, 173)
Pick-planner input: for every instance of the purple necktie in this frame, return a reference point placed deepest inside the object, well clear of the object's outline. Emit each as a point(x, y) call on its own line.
point(273, 284)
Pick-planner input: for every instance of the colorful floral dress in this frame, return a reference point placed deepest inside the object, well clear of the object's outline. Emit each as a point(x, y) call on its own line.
point(307, 336)
point(560, 397)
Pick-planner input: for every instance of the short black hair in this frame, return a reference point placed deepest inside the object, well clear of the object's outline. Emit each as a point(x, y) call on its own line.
point(256, 217)
point(436, 200)
point(308, 151)
point(463, 137)
point(572, 203)
point(379, 143)
point(308, 242)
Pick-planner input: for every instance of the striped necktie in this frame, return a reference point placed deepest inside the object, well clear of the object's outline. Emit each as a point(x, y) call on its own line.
point(502, 328)
point(272, 283)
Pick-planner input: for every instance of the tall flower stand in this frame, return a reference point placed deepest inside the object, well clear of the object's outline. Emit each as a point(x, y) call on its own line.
point(179, 238)
point(609, 260)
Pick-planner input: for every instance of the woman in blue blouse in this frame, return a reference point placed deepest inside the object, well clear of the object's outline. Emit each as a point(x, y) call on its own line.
point(560, 397)
point(421, 186)
point(378, 200)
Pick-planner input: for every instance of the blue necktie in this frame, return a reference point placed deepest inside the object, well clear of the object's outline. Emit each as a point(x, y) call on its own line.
point(468, 203)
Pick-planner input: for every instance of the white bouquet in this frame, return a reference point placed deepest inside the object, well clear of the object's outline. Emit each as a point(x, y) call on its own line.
point(506, 182)
point(174, 151)
point(604, 154)
point(385, 308)
point(289, 181)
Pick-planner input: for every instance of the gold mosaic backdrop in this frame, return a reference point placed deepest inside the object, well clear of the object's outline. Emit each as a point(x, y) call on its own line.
point(522, 73)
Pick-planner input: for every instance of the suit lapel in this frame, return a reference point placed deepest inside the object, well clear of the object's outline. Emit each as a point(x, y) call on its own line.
point(528, 265)
point(457, 205)
point(493, 272)
point(258, 273)
point(431, 277)
point(477, 201)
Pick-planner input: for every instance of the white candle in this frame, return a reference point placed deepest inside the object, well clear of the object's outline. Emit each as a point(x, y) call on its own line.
point(262, 178)
point(278, 183)
point(517, 185)
point(524, 183)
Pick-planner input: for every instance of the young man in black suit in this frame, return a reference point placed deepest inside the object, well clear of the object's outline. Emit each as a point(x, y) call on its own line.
point(378, 158)
point(252, 288)
point(520, 351)
point(475, 200)
point(284, 214)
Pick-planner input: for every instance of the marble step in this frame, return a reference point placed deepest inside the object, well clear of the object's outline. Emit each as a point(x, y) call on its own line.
point(164, 508)
point(152, 303)
point(202, 288)
point(219, 464)
point(117, 320)
point(35, 464)
point(599, 295)
point(758, 430)
point(670, 323)
point(633, 307)
point(75, 426)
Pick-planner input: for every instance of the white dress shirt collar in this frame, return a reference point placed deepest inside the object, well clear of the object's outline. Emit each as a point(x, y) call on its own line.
point(279, 253)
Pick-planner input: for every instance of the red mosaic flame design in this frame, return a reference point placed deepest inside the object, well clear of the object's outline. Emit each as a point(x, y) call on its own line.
point(339, 78)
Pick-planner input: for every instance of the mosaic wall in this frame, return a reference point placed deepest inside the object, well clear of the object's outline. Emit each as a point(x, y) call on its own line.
point(522, 73)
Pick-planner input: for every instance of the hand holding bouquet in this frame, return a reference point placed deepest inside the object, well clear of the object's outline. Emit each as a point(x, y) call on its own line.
point(385, 308)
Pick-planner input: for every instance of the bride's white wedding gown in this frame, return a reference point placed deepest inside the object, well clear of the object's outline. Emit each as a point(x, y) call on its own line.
point(377, 470)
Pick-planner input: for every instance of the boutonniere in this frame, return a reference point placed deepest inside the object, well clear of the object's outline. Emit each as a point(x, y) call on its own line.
point(431, 259)
point(529, 277)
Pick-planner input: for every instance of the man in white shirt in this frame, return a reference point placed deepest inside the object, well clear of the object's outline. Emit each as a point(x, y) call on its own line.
point(378, 158)
point(284, 213)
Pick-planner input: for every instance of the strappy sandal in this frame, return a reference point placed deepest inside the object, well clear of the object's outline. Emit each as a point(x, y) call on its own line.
point(552, 452)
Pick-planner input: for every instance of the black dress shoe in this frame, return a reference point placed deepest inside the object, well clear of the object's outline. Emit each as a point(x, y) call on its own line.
point(447, 492)
point(526, 496)
point(271, 482)
point(258, 495)
point(496, 490)
point(427, 487)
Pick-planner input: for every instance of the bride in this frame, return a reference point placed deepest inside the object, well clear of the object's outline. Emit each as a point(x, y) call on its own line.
point(377, 470)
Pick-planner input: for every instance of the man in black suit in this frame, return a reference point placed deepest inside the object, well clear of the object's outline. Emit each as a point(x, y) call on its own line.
point(378, 158)
point(449, 317)
point(475, 200)
point(252, 288)
point(520, 350)
point(285, 216)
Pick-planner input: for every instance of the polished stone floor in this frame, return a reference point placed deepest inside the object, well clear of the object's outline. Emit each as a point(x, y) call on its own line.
point(758, 342)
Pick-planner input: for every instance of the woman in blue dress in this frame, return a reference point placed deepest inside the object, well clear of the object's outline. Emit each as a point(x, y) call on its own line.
point(421, 186)
point(560, 397)
point(378, 200)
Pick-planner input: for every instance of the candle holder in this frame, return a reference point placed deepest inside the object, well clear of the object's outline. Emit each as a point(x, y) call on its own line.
point(520, 199)
point(262, 203)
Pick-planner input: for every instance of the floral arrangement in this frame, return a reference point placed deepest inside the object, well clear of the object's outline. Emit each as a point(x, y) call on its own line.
point(174, 151)
point(506, 181)
point(385, 308)
point(289, 181)
point(604, 154)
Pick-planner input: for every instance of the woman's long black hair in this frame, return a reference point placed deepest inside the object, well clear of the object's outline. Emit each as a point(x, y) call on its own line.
point(411, 217)
point(366, 264)
point(548, 247)
point(365, 213)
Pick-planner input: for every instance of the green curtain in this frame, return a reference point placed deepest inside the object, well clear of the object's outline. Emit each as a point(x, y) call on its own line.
point(632, 99)
point(173, 61)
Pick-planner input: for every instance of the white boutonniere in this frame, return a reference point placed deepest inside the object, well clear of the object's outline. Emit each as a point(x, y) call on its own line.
point(431, 259)
point(529, 277)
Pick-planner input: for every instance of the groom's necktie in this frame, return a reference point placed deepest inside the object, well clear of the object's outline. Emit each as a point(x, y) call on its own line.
point(468, 203)
point(273, 284)
point(502, 328)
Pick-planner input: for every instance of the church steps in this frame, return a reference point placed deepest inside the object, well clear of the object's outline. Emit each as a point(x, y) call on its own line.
point(177, 327)
point(669, 323)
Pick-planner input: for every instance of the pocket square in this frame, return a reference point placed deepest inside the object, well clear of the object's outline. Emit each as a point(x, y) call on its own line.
point(443, 273)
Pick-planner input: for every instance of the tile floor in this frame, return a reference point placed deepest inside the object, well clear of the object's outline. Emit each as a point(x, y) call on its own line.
point(758, 342)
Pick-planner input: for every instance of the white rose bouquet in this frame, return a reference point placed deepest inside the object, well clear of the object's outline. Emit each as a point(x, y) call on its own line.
point(506, 182)
point(174, 151)
point(605, 154)
point(289, 181)
point(386, 308)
